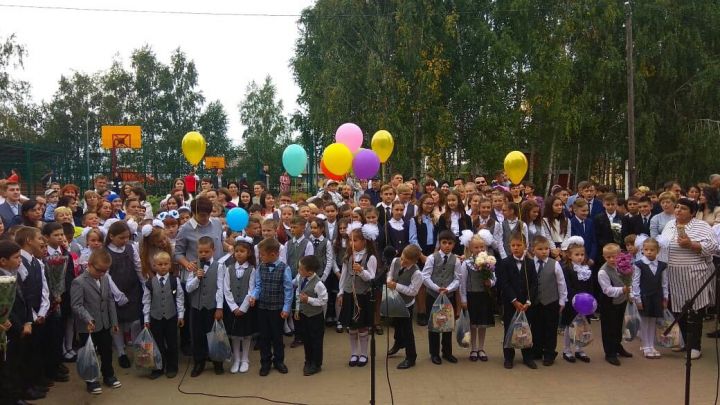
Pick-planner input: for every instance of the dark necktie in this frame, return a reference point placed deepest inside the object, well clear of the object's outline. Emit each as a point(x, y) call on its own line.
point(316, 242)
point(582, 224)
point(445, 257)
point(35, 264)
point(645, 221)
point(387, 214)
point(540, 266)
point(303, 284)
point(204, 263)
point(162, 281)
point(402, 270)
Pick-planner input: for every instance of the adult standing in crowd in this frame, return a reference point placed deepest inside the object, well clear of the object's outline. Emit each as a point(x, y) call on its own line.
point(691, 245)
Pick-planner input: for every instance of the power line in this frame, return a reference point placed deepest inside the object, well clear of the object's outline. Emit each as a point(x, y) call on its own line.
point(132, 11)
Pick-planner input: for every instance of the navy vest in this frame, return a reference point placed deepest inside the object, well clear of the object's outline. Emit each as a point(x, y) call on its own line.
point(32, 285)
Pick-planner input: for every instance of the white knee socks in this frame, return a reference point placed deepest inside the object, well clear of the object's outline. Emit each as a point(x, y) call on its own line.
point(363, 343)
point(354, 342)
point(647, 332)
point(473, 338)
point(236, 342)
point(246, 348)
point(481, 337)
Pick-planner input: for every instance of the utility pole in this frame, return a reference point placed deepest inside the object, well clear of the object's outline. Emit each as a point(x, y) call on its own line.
point(632, 171)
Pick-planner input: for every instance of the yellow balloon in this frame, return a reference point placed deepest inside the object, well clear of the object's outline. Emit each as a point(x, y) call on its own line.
point(338, 158)
point(193, 147)
point(516, 165)
point(382, 144)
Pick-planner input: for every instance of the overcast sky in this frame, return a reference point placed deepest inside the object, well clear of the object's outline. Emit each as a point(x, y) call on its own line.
point(229, 51)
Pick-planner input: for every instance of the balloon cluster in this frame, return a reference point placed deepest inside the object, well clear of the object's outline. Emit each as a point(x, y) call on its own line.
point(344, 154)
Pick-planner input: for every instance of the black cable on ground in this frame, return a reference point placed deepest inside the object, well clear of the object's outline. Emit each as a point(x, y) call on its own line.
point(205, 394)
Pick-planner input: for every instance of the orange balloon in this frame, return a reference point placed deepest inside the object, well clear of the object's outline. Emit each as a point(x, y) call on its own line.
point(328, 173)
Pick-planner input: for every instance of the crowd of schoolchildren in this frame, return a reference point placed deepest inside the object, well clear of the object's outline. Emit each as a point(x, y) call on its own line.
point(306, 263)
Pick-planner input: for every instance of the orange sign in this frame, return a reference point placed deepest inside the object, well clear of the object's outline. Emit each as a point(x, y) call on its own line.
point(214, 162)
point(121, 136)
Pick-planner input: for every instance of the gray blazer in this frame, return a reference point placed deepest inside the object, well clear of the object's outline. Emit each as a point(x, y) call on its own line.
point(90, 303)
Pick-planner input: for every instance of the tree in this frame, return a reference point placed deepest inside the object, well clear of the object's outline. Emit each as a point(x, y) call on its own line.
point(266, 131)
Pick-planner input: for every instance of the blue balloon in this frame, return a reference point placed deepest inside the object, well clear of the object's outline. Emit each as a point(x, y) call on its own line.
point(237, 219)
point(294, 159)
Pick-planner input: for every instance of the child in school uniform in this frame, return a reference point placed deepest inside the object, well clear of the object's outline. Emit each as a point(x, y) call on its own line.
point(53, 349)
point(441, 275)
point(206, 303)
point(512, 225)
point(18, 329)
point(163, 312)
point(95, 315)
point(340, 248)
point(578, 278)
point(613, 301)
point(272, 295)
point(454, 219)
point(544, 314)
point(238, 279)
point(126, 272)
point(296, 247)
point(516, 279)
point(358, 272)
point(37, 294)
point(311, 296)
point(475, 296)
point(650, 293)
point(405, 277)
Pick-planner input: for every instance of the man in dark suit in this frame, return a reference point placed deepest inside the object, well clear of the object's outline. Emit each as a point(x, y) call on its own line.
point(517, 281)
point(10, 209)
point(374, 191)
point(217, 180)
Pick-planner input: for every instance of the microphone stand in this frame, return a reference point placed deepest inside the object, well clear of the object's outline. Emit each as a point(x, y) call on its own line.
point(688, 312)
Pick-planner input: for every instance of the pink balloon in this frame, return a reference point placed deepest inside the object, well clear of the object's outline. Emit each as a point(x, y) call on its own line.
point(366, 164)
point(349, 135)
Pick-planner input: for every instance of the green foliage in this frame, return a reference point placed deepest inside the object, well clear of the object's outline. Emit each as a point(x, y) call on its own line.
point(462, 83)
point(266, 134)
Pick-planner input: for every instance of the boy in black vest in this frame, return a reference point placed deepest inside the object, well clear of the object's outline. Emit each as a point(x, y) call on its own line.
point(296, 247)
point(441, 275)
point(37, 295)
point(613, 300)
point(272, 294)
point(547, 302)
point(312, 298)
point(17, 328)
point(405, 277)
point(517, 280)
point(164, 311)
point(206, 303)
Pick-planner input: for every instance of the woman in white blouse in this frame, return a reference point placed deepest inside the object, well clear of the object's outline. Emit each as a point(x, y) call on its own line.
point(691, 245)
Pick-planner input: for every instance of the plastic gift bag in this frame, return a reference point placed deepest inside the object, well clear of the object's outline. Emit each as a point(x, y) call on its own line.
point(88, 367)
point(392, 305)
point(674, 338)
point(631, 322)
point(442, 315)
point(218, 343)
point(462, 332)
point(147, 354)
point(519, 335)
point(580, 331)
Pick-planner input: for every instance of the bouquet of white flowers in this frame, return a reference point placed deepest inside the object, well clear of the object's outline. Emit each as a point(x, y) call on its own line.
point(485, 264)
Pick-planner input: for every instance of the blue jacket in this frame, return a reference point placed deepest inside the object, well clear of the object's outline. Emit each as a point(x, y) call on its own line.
point(588, 235)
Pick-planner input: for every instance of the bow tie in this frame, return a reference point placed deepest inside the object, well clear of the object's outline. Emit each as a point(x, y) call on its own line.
point(270, 265)
point(204, 263)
